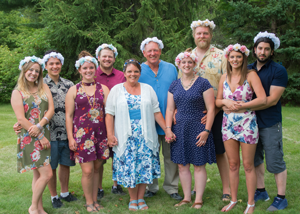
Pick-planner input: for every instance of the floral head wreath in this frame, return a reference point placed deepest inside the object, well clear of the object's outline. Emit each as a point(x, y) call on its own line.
point(128, 62)
point(185, 55)
point(205, 23)
point(32, 59)
point(85, 59)
point(54, 55)
point(110, 46)
point(153, 39)
point(271, 36)
point(236, 47)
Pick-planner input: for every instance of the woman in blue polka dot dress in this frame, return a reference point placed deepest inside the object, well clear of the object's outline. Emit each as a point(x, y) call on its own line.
point(191, 95)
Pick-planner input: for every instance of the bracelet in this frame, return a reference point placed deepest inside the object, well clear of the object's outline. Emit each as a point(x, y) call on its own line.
point(39, 126)
point(206, 130)
point(167, 127)
point(46, 119)
point(40, 135)
point(40, 138)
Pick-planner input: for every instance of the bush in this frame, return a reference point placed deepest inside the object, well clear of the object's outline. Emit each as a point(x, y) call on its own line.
point(291, 94)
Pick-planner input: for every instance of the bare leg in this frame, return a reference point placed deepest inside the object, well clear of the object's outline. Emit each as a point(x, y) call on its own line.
point(248, 152)
point(64, 176)
point(101, 169)
point(41, 210)
point(87, 182)
point(140, 194)
point(133, 192)
point(112, 168)
point(52, 184)
point(223, 166)
point(97, 164)
point(280, 179)
point(186, 180)
point(232, 148)
point(260, 175)
point(200, 177)
point(41, 178)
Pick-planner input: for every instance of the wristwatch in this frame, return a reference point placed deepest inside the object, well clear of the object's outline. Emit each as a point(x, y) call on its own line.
point(206, 130)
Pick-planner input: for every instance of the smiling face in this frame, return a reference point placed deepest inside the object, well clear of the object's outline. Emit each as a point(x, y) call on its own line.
point(132, 74)
point(106, 59)
point(152, 52)
point(187, 65)
point(53, 66)
point(263, 52)
point(236, 59)
point(32, 74)
point(202, 37)
point(87, 71)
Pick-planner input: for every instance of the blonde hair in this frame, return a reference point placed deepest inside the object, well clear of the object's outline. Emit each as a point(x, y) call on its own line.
point(210, 30)
point(22, 84)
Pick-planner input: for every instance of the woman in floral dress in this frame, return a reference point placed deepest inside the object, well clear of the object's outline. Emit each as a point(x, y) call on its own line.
point(239, 127)
point(33, 105)
point(85, 125)
point(131, 111)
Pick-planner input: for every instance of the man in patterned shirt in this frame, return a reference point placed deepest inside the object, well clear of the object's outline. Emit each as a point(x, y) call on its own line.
point(211, 65)
point(60, 152)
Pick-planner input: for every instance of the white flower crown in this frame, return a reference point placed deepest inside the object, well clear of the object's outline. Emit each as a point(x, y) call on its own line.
point(32, 59)
point(153, 39)
point(271, 36)
point(236, 47)
point(86, 59)
point(205, 23)
point(54, 55)
point(185, 55)
point(110, 46)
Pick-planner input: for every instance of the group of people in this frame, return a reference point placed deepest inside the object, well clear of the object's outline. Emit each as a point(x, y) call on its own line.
point(202, 114)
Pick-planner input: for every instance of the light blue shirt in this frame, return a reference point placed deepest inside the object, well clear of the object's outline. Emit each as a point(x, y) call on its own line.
point(166, 74)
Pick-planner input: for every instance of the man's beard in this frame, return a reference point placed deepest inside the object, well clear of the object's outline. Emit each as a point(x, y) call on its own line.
point(203, 45)
point(107, 67)
point(262, 61)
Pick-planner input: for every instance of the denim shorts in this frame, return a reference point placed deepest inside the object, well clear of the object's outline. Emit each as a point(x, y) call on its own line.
point(270, 144)
point(60, 154)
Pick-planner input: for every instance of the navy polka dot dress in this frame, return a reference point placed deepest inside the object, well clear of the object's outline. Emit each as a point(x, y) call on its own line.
point(190, 106)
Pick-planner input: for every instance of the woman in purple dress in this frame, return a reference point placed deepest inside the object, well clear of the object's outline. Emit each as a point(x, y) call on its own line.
point(85, 122)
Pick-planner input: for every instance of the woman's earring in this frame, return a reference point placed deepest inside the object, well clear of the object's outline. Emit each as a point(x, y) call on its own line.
point(36, 82)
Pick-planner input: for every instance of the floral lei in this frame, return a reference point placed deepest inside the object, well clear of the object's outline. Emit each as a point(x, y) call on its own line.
point(104, 45)
point(206, 23)
point(183, 55)
point(153, 39)
point(54, 55)
point(85, 59)
point(32, 59)
point(236, 47)
point(271, 36)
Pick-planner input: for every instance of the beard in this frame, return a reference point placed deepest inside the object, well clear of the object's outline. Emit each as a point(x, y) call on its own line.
point(263, 61)
point(203, 44)
point(107, 67)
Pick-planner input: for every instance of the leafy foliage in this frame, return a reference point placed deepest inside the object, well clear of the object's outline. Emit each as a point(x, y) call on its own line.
point(292, 92)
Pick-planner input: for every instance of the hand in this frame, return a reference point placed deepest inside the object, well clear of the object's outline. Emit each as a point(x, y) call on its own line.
point(34, 131)
point(45, 143)
point(17, 127)
point(112, 141)
point(72, 145)
point(204, 118)
point(231, 105)
point(202, 138)
point(174, 117)
point(170, 136)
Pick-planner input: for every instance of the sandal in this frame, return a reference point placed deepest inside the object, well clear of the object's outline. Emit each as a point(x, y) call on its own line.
point(97, 207)
point(225, 197)
point(198, 203)
point(248, 207)
point(183, 202)
point(90, 206)
point(135, 208)
point(143, 205)
point(232, 203)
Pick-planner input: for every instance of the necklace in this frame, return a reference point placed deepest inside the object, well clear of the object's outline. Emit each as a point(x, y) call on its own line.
point(82, 83)
point(189, 85)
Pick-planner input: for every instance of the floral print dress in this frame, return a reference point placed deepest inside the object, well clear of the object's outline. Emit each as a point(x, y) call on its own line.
point(30, 153)
point(89, 126)
point(239, 126)
point(138, 164)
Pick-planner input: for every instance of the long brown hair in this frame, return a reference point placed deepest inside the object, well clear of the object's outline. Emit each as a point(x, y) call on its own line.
point(22, 84)
point(244, 70)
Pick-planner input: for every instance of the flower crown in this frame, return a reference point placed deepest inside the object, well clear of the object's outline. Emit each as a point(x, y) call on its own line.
point(85, 59)
point(32, 59)
point(54, 55)
point(185, 55)
point(128, 62)
point(153, 39)
point(271, 36)
point(110, 46)
point(236, 47)
point(206, 23)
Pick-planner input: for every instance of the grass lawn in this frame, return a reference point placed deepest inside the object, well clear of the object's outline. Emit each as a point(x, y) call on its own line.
point(15, 188)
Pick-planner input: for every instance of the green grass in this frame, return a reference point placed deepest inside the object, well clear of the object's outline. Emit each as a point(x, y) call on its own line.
point(15, 188)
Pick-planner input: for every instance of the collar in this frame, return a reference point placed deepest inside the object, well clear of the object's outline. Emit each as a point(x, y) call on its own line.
point(210, 50)
point(100, 72)
point(49, 79)
point(254, 65)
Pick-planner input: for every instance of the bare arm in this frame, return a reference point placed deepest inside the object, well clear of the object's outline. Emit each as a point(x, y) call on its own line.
point(105, 92)
point(70, 108)
point(169, 117)
point(110, 129)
